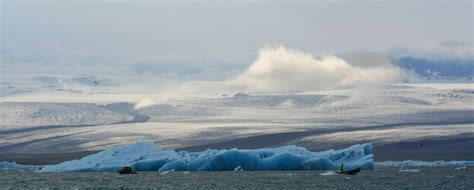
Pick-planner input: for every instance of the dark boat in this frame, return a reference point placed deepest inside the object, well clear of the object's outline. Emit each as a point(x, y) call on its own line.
point(349, 172)
point(127, 170)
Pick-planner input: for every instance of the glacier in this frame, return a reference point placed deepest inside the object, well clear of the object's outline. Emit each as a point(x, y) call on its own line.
point(146, 156)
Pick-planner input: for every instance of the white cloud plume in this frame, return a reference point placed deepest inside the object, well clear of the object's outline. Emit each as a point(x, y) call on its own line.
point(144, 103)
point(283, 69)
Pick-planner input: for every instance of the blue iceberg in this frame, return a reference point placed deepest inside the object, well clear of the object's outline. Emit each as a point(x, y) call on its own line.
point(4, 165)
point(146, 156)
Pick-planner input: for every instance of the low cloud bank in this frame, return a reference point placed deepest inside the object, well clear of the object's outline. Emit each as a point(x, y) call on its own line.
point(53, 58)
point(284, 69)
point(450, 61)
point(445, 51)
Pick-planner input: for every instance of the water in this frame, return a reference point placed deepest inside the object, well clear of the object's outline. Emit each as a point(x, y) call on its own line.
point(381, 178)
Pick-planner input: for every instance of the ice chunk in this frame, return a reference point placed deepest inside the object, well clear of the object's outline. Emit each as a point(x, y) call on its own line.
point(328, 173)
point(167, 172)
point(408, 170)
point(4, 165)
point(403, 170)
point(461, 168)
point(145, 156)
point(238, 169)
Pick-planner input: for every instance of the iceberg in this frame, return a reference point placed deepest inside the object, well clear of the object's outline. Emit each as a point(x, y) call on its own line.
point(4, 165)
point(146, 156)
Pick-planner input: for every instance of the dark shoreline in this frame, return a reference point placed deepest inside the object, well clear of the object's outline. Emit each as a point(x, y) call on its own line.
point(44, 159)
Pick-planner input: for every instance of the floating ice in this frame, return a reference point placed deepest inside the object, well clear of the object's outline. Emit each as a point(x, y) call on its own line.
point(328, 173)
point(461, 168)
point(426, 164)
point(146, 156)
point(4, 165)
point(238, 169)
point(403, 170)
point(167, 172)
point(408, 170)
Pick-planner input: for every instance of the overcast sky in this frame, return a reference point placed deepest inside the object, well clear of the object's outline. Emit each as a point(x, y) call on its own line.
point(200, 32)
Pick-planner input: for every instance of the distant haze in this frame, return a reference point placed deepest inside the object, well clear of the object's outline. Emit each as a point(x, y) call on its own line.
point(217, 39)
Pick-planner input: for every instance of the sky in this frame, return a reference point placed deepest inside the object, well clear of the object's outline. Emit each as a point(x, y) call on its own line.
point(215, 39)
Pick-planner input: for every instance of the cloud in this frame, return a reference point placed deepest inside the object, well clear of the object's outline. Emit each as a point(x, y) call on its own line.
point(366, 59)
point(442, 51)
point(111, 60)
point(144, 103)
point(283, 69)
point(448, 61)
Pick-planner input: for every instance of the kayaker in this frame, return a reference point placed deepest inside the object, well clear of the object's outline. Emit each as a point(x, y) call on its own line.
point(341, 168)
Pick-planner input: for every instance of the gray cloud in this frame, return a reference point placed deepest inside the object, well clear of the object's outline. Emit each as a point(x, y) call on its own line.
point(54, 59)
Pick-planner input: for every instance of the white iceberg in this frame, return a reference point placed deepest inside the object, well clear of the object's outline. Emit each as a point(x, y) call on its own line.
point(146, 156)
